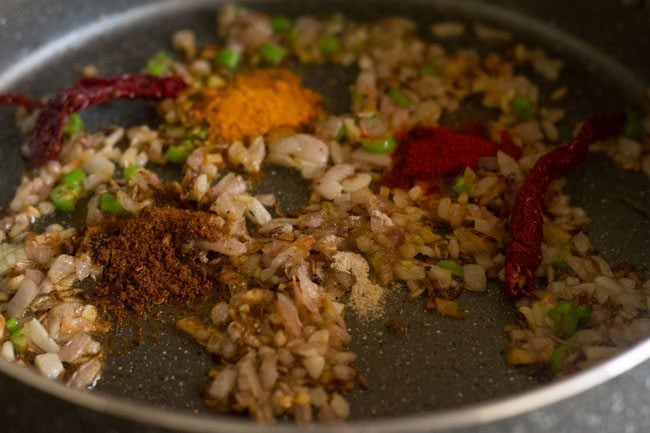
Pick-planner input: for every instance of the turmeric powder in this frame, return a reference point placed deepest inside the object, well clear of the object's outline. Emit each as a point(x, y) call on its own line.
point(256, 103)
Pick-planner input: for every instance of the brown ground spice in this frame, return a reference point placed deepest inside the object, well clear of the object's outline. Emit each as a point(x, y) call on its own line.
point(146, 259)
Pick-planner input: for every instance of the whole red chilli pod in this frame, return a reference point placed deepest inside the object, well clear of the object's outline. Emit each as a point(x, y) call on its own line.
point(46, 141)
point(19, 99)
point(525, 251)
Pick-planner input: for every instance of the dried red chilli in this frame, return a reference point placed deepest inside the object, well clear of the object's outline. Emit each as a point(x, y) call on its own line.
point(45, 143)
point(19, 99)
point(526, 220)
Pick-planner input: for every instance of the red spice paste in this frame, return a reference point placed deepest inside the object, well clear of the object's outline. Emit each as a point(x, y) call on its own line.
point(428, 153)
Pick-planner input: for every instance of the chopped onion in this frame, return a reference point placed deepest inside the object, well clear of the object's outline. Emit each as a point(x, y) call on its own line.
point(318, 396)
point(7, 351)
point(42, 249)
point(581, 242)
point(219, 313)
point(35, 275)
point(474, 277)
point(82, 267)
point(509, 167)
point(310, 291)
point(228, 246)
point(36, 333)
point(301, 151)
point(609, 284)
point(248, 375)
point(321, 336)
point(49, 365)
point(440, 276)
point(27, 291)
point(269, 370)
point(127, 203)
point(223, 384)
point(255, 211)
point(10, 254)
point(378, 159)
point(289, 314)
point(86, 375)
point(99, 168)
point(75, 347)
point(266, 199)
point(231, 183)
point(340, 406)
point(343, 372)
point(63, 266)
point(329, 185)
point(314, 366)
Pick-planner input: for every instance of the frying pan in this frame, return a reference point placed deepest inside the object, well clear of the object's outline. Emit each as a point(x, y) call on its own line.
point(438, 375)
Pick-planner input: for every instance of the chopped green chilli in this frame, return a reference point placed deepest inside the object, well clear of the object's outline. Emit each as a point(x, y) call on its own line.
point(633, 128)
point(228, 58)
point(559, 264)
point(272, 54)
point(158, 65)
point(280, 24)
point(75, 177)
point(399, 97)
point(12, 325)
point(109, 203)
point(201, 134)
point(74, 124)
point(68, 191)
point(522, 107)
point(429, 69)
point(329, 45)
point(129, 171)
point(461, 185)
point(567, 317)
point(452, 266)
point(379, 145)
point(178, 154)
point(341, 134)
point(64, 197)
point(558, 358)
point(19, 341)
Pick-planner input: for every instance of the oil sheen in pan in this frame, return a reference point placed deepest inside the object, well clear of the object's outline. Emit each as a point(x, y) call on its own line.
point(438, 363)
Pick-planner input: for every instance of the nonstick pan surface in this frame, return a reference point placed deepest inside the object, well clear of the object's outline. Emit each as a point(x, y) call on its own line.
point(439, 373)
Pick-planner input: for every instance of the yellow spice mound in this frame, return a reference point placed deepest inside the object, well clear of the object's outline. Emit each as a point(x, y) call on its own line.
point(258, 102)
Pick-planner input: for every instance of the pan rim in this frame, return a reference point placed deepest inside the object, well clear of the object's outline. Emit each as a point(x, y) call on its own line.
point(443, 420)
point(465, 416)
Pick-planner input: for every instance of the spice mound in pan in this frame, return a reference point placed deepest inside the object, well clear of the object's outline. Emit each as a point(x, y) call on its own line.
point(149, 260)
point(254, 104)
